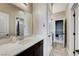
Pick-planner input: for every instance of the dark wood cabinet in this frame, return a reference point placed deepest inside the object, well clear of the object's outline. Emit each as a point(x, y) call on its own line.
point(38, 49)
point(35, 50)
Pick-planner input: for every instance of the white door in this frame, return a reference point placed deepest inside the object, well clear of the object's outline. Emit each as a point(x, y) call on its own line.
point(75, 29)
point(4, 24)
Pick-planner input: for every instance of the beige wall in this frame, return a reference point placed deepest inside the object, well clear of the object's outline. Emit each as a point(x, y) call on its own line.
point(70, 42)
point(12, 11)
point(59, 15)
point(40, 17)
point(27, 8)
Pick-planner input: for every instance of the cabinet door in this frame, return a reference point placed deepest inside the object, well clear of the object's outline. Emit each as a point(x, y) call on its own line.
point(38, 49)
point(27, 52)
point(35, 50)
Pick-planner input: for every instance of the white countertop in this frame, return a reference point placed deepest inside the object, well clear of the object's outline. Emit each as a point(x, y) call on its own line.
point(11, 49)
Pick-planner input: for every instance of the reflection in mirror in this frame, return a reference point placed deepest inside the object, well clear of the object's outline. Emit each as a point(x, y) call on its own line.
point(20, 25)
point(23, 24)
point(27, 24)
point(4, 28)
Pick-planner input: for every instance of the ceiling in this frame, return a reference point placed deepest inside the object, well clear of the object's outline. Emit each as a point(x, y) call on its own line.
point(58, 7)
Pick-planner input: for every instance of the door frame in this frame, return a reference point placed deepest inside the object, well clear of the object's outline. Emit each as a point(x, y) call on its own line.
point(75, 5)
point(63, 29)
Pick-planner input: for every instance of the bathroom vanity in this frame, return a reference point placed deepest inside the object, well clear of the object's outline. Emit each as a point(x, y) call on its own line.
point(29, 46)
point(35, 50)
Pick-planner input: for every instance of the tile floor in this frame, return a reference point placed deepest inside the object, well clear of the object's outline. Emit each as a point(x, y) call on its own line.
point(58, 50)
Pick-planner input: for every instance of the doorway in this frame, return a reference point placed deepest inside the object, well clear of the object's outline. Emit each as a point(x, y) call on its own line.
point(59, 32)
point(59, 43)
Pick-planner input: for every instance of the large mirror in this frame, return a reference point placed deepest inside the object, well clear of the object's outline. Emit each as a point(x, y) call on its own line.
point(15, 23)
point(12, 29)
point(23, 24)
